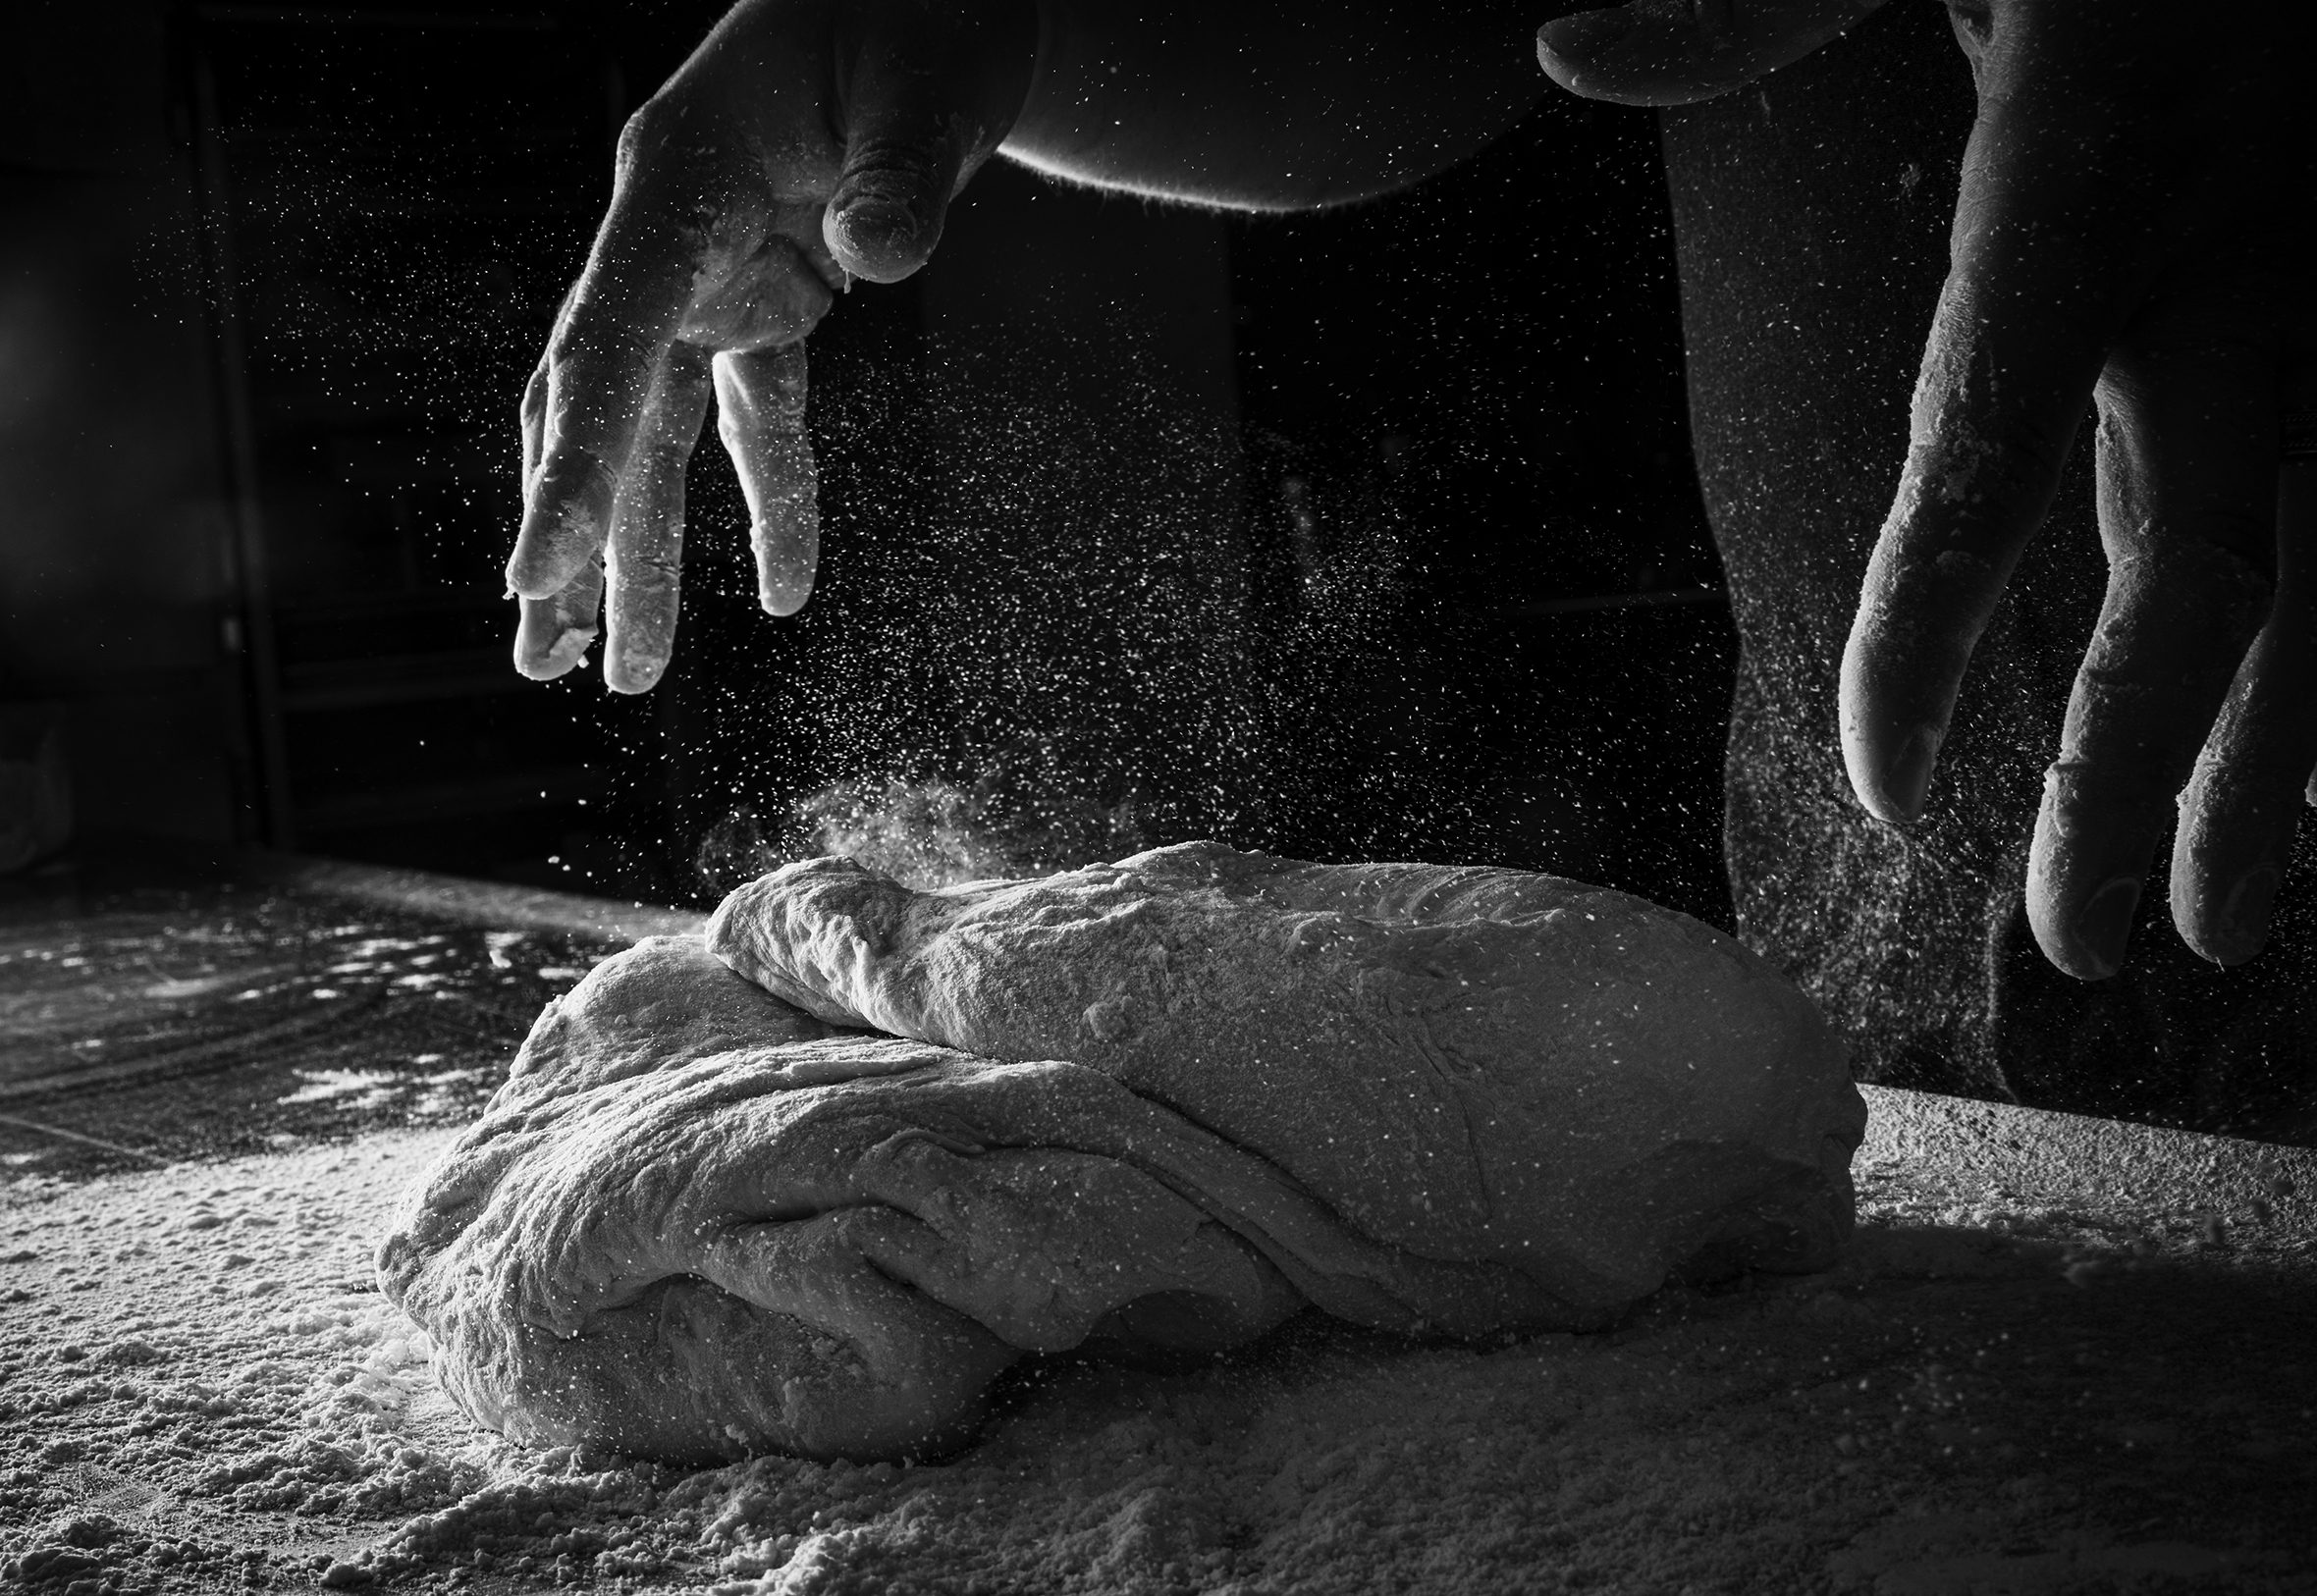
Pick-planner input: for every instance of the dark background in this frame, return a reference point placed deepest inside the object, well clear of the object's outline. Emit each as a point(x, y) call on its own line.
point(1365, 534)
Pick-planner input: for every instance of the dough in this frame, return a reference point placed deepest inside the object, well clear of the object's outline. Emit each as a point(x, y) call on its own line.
point(1204, 1090)
point(1467, 1064)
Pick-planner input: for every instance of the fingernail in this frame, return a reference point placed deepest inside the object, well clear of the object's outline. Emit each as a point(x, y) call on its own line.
point(2245, 915)
point(555, 657)
point(1907, 780)
point(2105, 923)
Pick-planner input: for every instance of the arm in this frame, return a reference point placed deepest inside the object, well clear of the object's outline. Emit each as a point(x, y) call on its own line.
point(1269, 105)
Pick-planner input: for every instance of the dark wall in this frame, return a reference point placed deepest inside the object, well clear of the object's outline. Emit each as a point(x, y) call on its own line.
point(116, 574)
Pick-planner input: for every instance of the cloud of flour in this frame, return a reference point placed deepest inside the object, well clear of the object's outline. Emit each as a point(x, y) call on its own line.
point(928, 833)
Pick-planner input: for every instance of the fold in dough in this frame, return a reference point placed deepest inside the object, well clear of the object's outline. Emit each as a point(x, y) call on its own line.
point(1172, 1100)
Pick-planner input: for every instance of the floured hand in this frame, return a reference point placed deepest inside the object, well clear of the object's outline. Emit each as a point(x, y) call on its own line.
point(2135, 230)
point(805, 142)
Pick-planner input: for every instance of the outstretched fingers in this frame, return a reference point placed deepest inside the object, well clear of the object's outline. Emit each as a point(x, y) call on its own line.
point(759, 403)
point(2186, 495)
point(644, 571)
point(601, 364)
point(554, 632)
point(2046, 263)
point(2242, 804)
point(1653, 53)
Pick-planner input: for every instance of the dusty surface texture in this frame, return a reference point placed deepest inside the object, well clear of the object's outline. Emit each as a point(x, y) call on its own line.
point(145, 1025)
point(2020, 1379)
point(699, 1223)
point(2060, 1355)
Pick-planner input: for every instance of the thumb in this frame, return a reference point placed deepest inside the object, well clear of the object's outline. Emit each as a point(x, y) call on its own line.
point(1674, 52)
point(926, 98)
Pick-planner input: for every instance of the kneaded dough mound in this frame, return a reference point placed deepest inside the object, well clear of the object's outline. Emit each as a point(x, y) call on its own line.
point(1483, 1065)
point(1173, 1101)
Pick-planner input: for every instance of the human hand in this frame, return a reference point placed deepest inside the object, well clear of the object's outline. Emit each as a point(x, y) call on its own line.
point(804, 144)
point(2134, 231)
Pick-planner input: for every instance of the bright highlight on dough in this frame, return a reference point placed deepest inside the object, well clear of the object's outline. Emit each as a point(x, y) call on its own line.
point(1173, 1101)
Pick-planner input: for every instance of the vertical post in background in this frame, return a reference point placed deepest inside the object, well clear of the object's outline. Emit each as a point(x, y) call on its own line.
point(275, 817)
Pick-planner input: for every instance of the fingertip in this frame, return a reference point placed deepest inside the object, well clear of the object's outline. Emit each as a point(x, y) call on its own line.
point(546, 643)
point(1875, 803)
point(2103, 926)
point(786, 538)
point(788, 556)
point(878, 239)
point(630, 671)
point(557, 659)
point(2225, 952)
point(2234, 931)
point(1895, 786)
point(1567, 45)
point(1907, 778)
point(2090, 944)
point(783, 596)
point(1627, 55)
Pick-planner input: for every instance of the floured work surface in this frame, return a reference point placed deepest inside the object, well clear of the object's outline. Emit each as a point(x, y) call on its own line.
point(2058, 1355)
point(2014, 1387)
point(157, 1009)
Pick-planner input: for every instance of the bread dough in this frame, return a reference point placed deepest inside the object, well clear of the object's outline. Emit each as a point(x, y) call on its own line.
point(1201, 1091)
point(1479, 1065)
point(696, 1222)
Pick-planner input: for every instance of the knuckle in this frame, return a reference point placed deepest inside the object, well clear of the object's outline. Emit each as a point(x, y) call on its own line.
point(648, 576)
point(898, 170)
point(679, 163)
point(1992, 472)
point(648, 130)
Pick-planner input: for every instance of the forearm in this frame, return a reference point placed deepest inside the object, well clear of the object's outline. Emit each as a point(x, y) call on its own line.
point(1272, 105)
